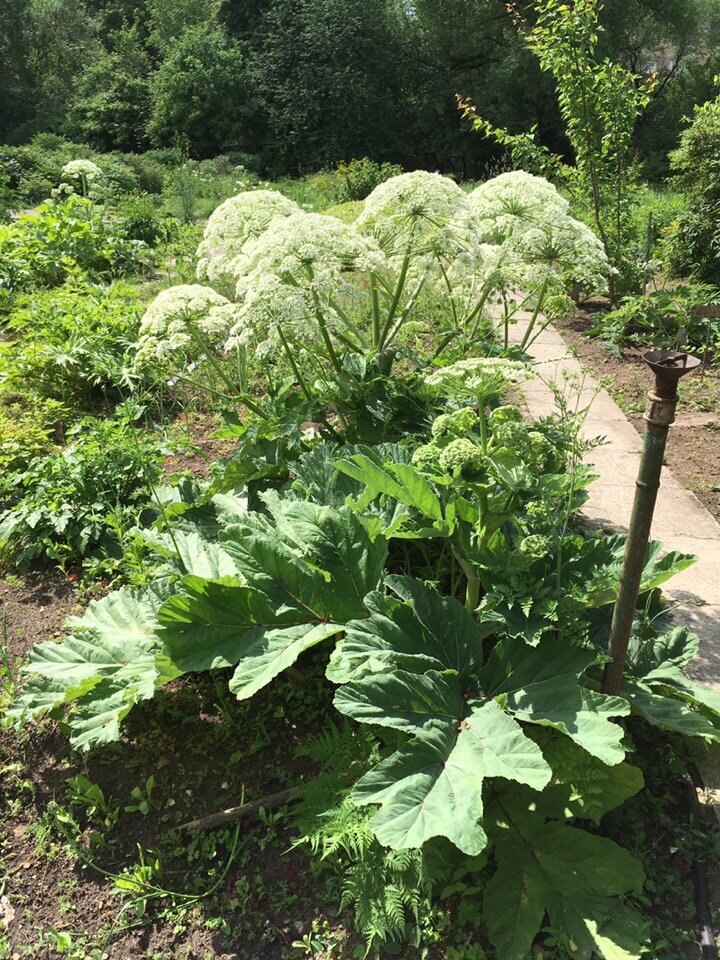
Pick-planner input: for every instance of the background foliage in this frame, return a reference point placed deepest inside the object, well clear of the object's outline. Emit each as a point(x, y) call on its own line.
point(301, 84)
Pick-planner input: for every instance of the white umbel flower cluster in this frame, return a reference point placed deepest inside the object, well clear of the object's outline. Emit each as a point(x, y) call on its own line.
point(506, 204)
point(537, 239)
point(236, 222)
point(301, 264)
point(420, 212)
point(180, 321)
point(76, 169)
point(477, 377)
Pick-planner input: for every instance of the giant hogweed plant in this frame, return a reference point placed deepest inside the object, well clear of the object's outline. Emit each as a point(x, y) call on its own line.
point(483, 699)
point(335, 304)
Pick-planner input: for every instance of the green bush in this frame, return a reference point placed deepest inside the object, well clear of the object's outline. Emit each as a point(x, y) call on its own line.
point(76, 503)
point(35, 170)
point(358, 178)
point(142, 218)
point(27, 426)
point(693, 243)
point(662, 319)
point(75, 343)
point(46, 245)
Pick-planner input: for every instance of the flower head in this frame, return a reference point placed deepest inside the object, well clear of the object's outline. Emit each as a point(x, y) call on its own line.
point(76, 169)
point(180, 320)
point(480, 377)
point(539, 244)
point(462, 457)
point(419, 211)
point(302, 265)
point(232, 225)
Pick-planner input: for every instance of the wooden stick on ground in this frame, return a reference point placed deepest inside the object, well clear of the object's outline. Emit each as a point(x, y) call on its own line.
point(245, 810)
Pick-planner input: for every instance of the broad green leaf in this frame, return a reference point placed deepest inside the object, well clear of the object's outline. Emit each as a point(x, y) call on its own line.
point(308, 570)
point(111, 660)
point(661, 709)
point(413, 702)
point(511, 471)
point(548, 868)
point(660, 691)
point(602, 566)
point(433, 786)
point(392, 637)
point(582, 786)
point(399, 481)
point(542, 685)
point(659, 569)
point(197, 556)
point(674, 649)
point(426, 632)
point(424, 657)
point(303, 546)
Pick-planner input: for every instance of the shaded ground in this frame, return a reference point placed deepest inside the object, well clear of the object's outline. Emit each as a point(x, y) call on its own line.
point(693, 449)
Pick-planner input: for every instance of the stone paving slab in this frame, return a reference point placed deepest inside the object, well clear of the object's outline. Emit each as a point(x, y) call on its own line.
point(680, 521)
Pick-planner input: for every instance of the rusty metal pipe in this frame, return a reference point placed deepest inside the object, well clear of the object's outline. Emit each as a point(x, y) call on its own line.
point(668, 366)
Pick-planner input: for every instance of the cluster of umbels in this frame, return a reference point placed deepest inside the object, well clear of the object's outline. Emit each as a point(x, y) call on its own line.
point(305, 270)
point(476, 377)
point(300, 278)
point(231, 226)
point(539, 244)
point(181, 322)
point(78, 176)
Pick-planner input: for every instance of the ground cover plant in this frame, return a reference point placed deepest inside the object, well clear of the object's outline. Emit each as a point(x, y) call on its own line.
point(389, 567)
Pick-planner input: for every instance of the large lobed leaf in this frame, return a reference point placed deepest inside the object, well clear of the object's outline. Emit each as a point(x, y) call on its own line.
point(307, 570)
point(111, 660)
point(417, 667)
point(658, 689)
point(545, 867)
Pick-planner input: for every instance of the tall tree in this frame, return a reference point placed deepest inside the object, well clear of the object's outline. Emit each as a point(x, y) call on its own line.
point(201, 95)
point(329, 79)
point(168, 19)
point(111, 107)
point(16, 81)
point(64, 39)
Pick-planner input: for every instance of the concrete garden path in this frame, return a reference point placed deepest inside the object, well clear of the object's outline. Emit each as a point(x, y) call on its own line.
point(680, 521)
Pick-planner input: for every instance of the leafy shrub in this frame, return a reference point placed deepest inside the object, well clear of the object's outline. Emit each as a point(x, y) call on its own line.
point(694, 242)
point(29, 426)
point(34, 170)
point(75, 343)
point(358, 178)
point(72, 504)
point(46, 245)
point(142, 218)
point(501, 756)
point(661, 319)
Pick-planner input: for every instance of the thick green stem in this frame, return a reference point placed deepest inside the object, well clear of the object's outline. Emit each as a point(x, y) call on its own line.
point(296, 370)
point(472, 595)
point(399, 287)
point(375, 302)
point(535, 315)
point(483, 426)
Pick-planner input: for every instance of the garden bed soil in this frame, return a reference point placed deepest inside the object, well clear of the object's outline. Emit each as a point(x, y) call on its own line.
point(693, 448)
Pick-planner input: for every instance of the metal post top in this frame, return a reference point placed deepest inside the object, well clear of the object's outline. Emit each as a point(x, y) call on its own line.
point(669, 366)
